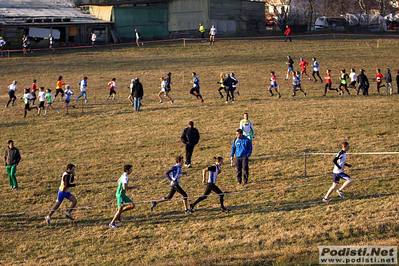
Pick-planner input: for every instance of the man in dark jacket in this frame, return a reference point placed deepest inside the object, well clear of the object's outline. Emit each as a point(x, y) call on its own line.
point(137, 94)
point(11, 159)
point(228, 83)
point(363, 82)
point(190, 136)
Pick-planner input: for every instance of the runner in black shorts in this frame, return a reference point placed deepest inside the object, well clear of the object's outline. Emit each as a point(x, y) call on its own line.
point(176, 172)
point(196, 88)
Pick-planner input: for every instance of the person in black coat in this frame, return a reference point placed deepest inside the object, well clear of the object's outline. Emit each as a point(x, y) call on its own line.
point(363, 83)
point(388, 79)
point(137, 94)
point(228, 83)
point(190, 136)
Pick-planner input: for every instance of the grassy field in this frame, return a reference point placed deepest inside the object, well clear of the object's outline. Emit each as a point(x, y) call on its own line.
point(272, 221)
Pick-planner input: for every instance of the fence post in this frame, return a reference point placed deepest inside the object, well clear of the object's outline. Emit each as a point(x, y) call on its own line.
point(184, 42)
point(304, 155)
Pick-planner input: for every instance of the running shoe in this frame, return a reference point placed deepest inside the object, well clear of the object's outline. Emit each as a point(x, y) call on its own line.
point(113, 226)
point(160, 102)
point(69, 216)
point(189, 211)
point(340, 193)
point(192, 207)
point(224, 210)
point(47, 220)
point(153, 204)
point(326, 201)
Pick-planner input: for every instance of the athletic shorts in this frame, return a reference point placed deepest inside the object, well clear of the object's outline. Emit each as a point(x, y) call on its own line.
point(273, 86)
point(173, 190)
point(165, 90)
point(59, 91)
point(197, 90)
point(344, 85)
point(303, 71)
point(122, 199)
point(62, 195)
point(27, 107)
point(67, 101)
point(12, 94)
point(33, 94)
point(41, 105)
point(353, 83)
point(112, 91)
point(290, 68)
point(337, 177)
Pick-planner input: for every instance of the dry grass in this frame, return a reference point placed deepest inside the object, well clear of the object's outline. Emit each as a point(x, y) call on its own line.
point(281, 227)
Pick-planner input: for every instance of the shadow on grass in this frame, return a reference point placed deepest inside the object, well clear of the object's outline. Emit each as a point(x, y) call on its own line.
point(22, 223)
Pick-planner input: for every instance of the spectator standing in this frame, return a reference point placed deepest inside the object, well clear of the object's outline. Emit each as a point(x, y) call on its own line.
point(397, 81)
point(2, 46)
point(138, 37)
point(212, 34)
point(202, 30)
point(388, 79)
point(137, 93)
point(242, 149)
point(93, 38)
point(287, 33)
point(190, 137)
point(12, 157)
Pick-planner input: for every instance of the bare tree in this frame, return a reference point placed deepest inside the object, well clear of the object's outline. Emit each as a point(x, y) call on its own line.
point(282, 11)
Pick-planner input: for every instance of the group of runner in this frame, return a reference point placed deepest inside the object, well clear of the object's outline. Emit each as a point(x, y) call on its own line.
point(361, 79)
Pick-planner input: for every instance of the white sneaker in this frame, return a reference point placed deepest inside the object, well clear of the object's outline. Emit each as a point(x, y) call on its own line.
point(47, 220)
point(86, 101)
point(160, 102)
point(326, 201)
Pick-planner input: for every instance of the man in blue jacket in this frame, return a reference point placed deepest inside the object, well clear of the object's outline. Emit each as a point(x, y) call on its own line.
point(242, 148)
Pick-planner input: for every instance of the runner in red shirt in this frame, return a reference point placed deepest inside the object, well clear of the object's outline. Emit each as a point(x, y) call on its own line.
point(303, 64)
point(379, 77)
point(33, 92)
point(328, 83)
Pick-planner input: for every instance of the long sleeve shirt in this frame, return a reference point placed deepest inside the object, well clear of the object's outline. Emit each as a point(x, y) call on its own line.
point(241, 147)
point(176, 172)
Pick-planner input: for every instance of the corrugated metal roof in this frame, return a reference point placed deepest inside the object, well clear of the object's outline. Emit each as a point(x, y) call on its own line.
point(18, 12)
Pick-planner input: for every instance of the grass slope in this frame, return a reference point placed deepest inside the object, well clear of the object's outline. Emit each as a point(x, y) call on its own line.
point(268, 226)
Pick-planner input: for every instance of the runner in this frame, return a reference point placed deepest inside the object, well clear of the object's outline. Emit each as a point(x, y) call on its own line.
point(339, 164)
point(68, 93)
point(379, 77)
point(42, 98)
point(66, 182)
point(59, 89)
point(27, 98)
point(49, 100)
point(121, 197)
point(33, 91)
point(83, 85)
point(297, 84)
point(112, 87)
point(344, 82)
point(222, 87)
point(316, 70)
point(195, 90)
point(290, 64)
point(303, 64)
point(176, 172)
point(273, 85)
point(353, 77)
point(164, 90)
point(328, 83)
point(214, 171)
point(12, 88)
point(235, 82)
